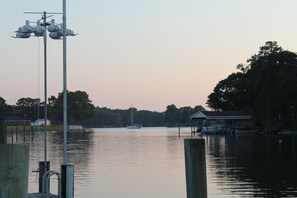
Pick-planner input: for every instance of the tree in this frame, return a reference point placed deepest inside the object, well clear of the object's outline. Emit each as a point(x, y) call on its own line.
point(171, 115)
point(79, 107)
point(4, 108)
point(266, 87)
point(27, 108)
point(232, 93)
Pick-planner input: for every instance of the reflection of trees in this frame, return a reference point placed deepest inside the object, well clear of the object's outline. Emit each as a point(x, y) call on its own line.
point(78, 148)
point(264, 165)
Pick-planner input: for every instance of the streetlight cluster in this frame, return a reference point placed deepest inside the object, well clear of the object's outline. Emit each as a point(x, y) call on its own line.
point(55, 30)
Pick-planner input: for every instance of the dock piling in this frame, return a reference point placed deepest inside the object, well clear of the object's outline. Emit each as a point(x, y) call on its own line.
point(14, 166)
point(195, 168)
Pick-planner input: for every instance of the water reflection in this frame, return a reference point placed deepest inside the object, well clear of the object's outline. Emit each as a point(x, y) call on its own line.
point(253, 165)
point(149, 163)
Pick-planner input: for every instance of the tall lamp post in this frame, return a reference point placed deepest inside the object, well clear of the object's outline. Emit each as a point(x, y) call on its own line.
point(56, 32)
point(67, 170)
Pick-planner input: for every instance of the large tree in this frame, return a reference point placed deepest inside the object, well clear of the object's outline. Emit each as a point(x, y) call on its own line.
point(5, 109)
point(266, 87)
point(79, 107)
point(27, 108)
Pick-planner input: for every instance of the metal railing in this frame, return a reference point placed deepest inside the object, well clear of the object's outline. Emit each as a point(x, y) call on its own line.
point(46, 180)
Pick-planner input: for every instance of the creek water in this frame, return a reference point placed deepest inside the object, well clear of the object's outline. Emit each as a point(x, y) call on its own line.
point(149, 163)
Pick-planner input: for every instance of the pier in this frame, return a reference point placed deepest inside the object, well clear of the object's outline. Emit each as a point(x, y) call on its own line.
point(40, 195)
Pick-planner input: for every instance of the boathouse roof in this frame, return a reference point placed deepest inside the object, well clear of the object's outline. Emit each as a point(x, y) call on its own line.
point(221, 115)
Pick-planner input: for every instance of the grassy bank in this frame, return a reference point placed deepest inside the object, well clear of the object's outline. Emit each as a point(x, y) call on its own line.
point(34, 128)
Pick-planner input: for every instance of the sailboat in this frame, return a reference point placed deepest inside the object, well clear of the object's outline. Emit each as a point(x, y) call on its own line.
point(132, 125)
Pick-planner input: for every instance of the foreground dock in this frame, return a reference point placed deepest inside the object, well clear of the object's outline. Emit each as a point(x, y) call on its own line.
point(39, 195)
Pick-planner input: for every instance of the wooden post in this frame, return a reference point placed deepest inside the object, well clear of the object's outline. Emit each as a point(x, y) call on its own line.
point(3, 134)
point(195, 168)
point(14, 166)
point(179, 131)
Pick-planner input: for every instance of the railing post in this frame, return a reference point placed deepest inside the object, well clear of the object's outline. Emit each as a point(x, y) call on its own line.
point(195, 168)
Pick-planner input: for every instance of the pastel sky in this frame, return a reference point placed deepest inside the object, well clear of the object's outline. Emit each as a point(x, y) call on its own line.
point(149, 53)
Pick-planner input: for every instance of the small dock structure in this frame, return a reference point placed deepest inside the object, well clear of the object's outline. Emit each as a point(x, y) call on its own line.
point(220, 121)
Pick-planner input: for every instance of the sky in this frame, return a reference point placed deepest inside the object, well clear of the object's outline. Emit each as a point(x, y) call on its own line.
point(145, 53)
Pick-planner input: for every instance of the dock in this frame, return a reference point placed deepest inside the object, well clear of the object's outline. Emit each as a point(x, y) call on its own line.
point(40, 195)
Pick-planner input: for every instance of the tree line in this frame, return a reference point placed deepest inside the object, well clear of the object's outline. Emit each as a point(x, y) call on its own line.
point(80, 110)
point(266, 87)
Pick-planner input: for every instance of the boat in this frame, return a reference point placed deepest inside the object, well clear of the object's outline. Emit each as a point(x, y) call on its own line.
point(213, 129)
point(132, 124)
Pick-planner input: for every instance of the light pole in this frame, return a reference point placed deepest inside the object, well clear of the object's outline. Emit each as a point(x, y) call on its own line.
point(55, 33)
point(64, 83)
point(67, 170)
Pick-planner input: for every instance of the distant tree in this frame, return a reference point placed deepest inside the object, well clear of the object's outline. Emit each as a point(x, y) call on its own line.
point(180, 116)
point(51, 108)
point(184, 114)
point(27, 108)
point(198, 108)
point(5, 109)
point(79, 107)
point(172, 115)
point(104, 117)
point(149, 118)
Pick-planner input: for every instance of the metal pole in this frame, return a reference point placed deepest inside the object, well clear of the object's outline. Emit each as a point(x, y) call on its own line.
point(64, 85)
point(45, 90)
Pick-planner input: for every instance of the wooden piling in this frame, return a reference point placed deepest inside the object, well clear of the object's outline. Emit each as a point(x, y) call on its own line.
point(195, 168)
point(3, 134)
point(14, 166)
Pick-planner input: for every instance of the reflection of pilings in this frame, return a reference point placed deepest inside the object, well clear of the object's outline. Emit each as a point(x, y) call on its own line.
point(25, 132)
point(195, 168)
point(16, 134)
point(32, 134)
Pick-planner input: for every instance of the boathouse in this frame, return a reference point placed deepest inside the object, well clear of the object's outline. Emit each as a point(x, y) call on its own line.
point(220, 121)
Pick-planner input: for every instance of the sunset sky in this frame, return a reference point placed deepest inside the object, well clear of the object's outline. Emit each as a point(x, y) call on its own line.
point(149, 53)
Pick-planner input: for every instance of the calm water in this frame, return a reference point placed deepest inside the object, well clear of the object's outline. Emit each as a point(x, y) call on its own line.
point(149, 163)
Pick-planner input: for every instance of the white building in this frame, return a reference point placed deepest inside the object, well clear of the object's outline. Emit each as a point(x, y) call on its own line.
point(40, 122)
